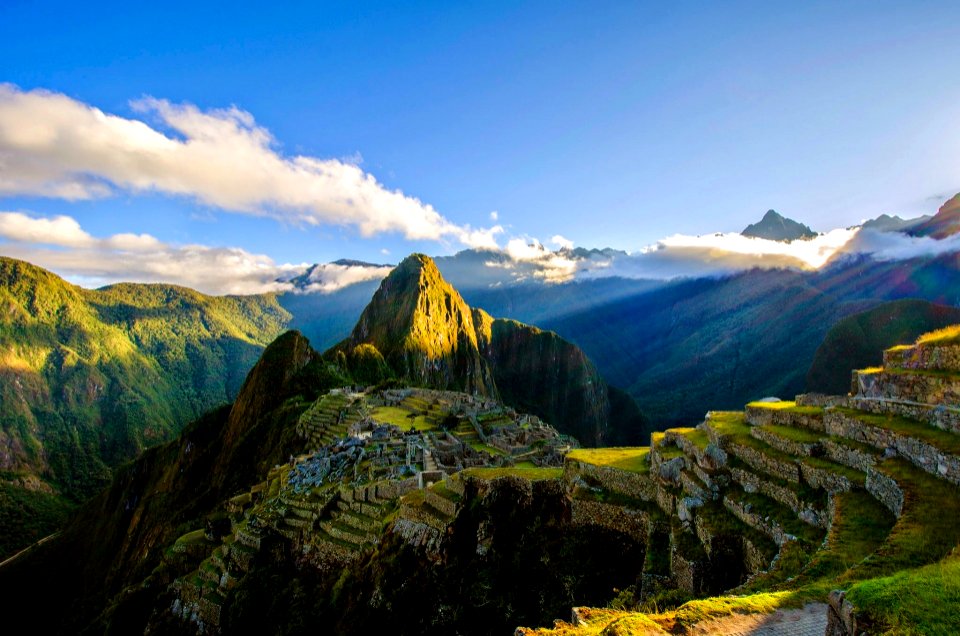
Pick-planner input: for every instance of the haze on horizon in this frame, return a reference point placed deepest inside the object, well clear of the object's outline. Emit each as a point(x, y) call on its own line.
point(183, 143)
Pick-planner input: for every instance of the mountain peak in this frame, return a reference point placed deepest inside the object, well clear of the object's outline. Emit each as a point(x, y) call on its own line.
point(946, 222)
point(776, 227)
point(424, 329)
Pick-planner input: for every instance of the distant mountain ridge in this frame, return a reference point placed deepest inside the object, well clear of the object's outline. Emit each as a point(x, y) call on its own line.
point(775, 227)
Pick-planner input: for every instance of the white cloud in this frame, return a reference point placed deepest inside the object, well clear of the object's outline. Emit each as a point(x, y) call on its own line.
point(55, 146)
point(330, 277)
point(675, 256)
point(494, 216)
point(888, 246)
point(61, 245)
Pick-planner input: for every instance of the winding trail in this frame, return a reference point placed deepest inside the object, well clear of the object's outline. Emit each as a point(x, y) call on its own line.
point(811, 620)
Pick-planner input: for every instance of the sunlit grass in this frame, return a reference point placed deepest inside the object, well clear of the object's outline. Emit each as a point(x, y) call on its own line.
point(402, 418)
point(634, 459)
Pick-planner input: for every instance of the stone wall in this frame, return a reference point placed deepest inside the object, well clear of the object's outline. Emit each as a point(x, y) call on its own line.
point(633, 523)
point(886, 490)
point(418, 534)
point(784, 445)
point(753, 483)
point(755, 521)
point(759, 416)
point(822, 400)
point(926, 388)
point(841, 616)
point(637, 485)
point(823, 478)
point(921, 454)
point(932, 357)
point(765, 463)
point(943, 417)
point(848, 456)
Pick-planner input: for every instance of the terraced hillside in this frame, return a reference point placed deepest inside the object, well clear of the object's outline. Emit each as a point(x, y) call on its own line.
point(851, 502)
point(394, 458)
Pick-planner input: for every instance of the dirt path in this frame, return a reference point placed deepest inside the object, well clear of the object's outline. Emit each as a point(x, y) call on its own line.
point(809, 621)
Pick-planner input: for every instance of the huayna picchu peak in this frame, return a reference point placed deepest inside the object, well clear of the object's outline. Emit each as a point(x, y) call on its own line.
point(424, 330)
point(418, 329)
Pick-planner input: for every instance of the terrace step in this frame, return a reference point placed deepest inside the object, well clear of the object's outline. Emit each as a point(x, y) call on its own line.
point(771, 517)
point(789, 439)
point(933, 450)
point(807, 503)
point(784, 414)
point(718, 529)
point(911, 385)
point(347, 533)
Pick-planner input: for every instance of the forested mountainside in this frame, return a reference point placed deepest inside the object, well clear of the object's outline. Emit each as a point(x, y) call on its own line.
point(857, 342)
point(697, 344)
point(89, 378)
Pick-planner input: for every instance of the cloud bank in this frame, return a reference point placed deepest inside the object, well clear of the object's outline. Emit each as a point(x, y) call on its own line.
point(702, 256)
point(60, 244)
point(54, 146)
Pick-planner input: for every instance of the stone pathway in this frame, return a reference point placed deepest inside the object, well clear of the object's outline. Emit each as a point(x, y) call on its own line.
point(809, 621)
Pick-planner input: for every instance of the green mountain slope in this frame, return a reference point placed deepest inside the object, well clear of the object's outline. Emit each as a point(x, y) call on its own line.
point(89, 378)
point(857, 342)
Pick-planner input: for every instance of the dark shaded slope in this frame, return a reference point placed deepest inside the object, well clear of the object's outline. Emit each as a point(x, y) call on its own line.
point(946, 222)
point(718, 343)
point(858, 341)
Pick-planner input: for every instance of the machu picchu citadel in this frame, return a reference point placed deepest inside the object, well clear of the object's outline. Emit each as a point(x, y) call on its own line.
point(401, 458)
point(825, 507)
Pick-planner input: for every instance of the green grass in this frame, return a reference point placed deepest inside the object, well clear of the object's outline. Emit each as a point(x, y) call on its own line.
point(402, 418)
point(921, 601)
point(485, 448)
point(938, 438)
point(947, 335)
point(787, 405)
point(634, 459)
point(852, 474)
point(531, 474)
point(668, 452)
point(698, 436)
point(927, 529)
point(729, 423)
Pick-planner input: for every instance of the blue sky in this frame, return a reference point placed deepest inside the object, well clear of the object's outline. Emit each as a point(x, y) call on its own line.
point(611, 124)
